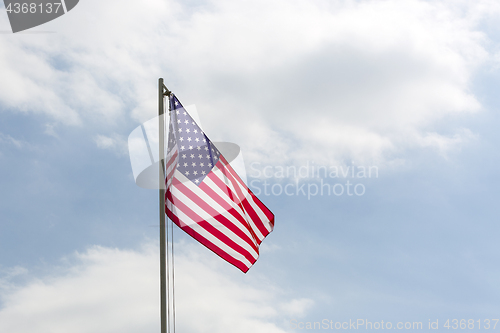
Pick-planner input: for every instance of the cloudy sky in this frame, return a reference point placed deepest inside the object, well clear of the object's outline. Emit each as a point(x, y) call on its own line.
point(406, 89)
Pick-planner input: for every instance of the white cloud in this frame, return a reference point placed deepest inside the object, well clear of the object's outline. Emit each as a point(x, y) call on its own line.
point(114, 142)
point(297, 307)
point(112, 290)
point(360, 77)
point(8, 140)
point(7, 274)
point(445, 143)
point(287, 80)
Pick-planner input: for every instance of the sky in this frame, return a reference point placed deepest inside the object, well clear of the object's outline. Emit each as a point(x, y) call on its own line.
point(369, 128)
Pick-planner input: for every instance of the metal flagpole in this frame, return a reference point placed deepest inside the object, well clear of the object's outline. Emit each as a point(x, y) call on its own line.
point(164, 286)
point(163, 262)
point(167, 290)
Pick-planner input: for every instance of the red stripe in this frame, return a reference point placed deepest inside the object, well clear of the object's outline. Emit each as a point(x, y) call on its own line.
point(171, 174)
point(224, 167)
point(216, 215)
point(230, 208)
point(240, 204)
point(210, 228)
point(264, 209)
point(228, 205)
point(226, 189)
point(172, 159)
point(248, 208)
point(209, 245)
point(256, 200)
point(174, 155)
point(259, 203)
point(169, 164)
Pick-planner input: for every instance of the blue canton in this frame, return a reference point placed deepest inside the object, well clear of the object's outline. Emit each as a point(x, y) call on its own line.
point(197, 154)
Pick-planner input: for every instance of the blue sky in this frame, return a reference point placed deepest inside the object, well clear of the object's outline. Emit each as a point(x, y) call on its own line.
point(408, 87)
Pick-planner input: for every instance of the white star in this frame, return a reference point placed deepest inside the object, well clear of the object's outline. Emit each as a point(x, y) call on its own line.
point(185, 164)
point(210, 164)
point(216, 157)
point(192, 156)
point(197, 181)
point(190, 147)
point(181, 139)
point(197, 140)
point(201, 164)
point(177, 112)
point(182, 147)
point(176, 103)
point(195, 130)
point(178, 121)
point(180, 130)
point(208, 156)
point(203, 172)
point(206, 148)
point(193, 164)
point(200, 156)
point(186, 173)
point(186, 121)
point(204, 140)
point(195, 173)
point(189, 139)
point(199, 148)
point(183, 155)
point(187, 130)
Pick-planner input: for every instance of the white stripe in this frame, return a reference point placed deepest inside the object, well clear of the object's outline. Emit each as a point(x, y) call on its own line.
point(238, 209)
point(205, 216)
point(237, 178)
point(220, 175)
point(171, 207)
point(172, 165)
point(218, 172)
point(214, 240)
point(223, 194)
point(260, 213)
point(219, 209)
point(248, 218)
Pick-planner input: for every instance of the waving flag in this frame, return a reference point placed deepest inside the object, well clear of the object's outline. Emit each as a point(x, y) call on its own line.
point(207, 199)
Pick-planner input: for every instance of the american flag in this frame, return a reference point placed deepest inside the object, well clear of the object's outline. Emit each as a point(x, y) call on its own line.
point(207, 199)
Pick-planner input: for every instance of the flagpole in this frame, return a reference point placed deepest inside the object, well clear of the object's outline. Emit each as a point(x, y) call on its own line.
point(164, 302)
